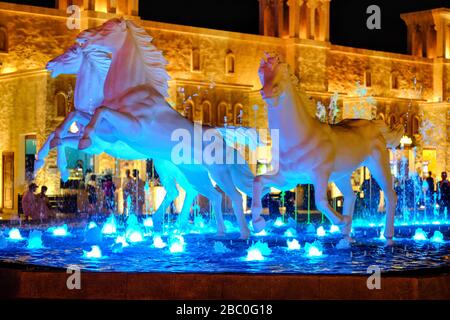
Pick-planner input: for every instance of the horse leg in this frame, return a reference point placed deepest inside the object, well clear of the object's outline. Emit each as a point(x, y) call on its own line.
point(171, 194)
point(345, 186)
point(213, 195)
point(320, 182)
point(124, 124)
point(378, 164)
point(225, 182)
point(183, 217)
point(81, 117)
point(258, 221)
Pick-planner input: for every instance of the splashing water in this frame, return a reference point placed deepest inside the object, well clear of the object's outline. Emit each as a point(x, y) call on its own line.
point(279, 222)
point(95, 253)
point(177, 244)
point(334, 229)
point(158, 242)
point(219, 247)
point(320, 232)
point(420, 235)
point(14, 234)
point(254, 255)
point(122, 240)
point(92, 225)
point(148, 223)
point(313, 249)
point(290, 233)
point(382, 237)
point(262, 233)
point(293, 244)
point(437, 237)
point(60, 231)
point(261, 247)
point(135, 236)
point(110, 226)
point(35, 240)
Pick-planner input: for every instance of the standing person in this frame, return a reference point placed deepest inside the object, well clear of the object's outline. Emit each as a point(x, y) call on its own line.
point(29, 205)
point(91, 189)
point(127, 190)
point(444, 194)
point(109, 189)
point(138, 195)
point(43, 204)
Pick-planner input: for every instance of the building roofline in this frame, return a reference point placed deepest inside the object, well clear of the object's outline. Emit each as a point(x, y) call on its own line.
point(416, 13)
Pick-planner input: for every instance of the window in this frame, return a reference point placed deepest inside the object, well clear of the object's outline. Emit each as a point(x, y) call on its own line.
point(195, 60)
point(394, 81)
point(415, 125)
point(30, 153)
point(238, 114)
point(222, 114)
point(230, 63)
point(368, 78)
point(61, 104)
point(392, 120)
point(3, 39)
point(206, 113)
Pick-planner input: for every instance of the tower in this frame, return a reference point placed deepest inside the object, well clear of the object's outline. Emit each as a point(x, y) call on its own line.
point(303, 19)
point(121, 7)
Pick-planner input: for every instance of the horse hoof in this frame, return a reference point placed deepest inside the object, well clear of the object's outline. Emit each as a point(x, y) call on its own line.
point(220, 234)
point(389, 242)
point(349, 239)
point(244, 236)
point(259, 224)
point(55, 142)
point(84, 143)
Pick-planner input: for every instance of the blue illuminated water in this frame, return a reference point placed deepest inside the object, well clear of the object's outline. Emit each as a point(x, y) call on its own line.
point(206, 253)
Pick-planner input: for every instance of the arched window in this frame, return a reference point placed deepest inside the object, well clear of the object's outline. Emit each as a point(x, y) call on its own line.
point(222, 113)
point(316, 23)
point(394, 80)
point(195, 59)
point(304, 26)
point(188, 111)
point(392, 120)
point(230, 63)
point(3, 39)
point(380, 116)
point(206, 113)
point(61, 104)
point(415, 123)
point(367, 78)
point(238, 114)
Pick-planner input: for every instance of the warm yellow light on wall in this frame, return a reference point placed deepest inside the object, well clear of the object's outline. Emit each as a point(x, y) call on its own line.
point(8, 69)
point(405, 141)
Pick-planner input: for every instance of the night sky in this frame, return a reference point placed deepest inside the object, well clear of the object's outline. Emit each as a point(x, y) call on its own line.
point(347, 25)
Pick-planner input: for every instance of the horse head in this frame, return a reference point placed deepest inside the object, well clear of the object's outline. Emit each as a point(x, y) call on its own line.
point(272, 74)
point(67, 63)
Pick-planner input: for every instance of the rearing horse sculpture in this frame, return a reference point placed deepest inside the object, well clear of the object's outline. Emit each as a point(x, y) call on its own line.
point(315, 153)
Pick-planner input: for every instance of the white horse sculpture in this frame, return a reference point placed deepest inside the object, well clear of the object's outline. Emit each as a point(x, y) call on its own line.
point(314, 152)
point(91, 67)
point(134, 111)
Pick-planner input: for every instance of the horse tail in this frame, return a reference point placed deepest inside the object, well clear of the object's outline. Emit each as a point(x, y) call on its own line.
point(391, 136)
point(242, 176)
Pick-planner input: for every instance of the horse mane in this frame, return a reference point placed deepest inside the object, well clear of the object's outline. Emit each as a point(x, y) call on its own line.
point(154, 62)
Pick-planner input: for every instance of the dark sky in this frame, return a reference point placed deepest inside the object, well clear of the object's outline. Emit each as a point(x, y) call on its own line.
point(347, 25)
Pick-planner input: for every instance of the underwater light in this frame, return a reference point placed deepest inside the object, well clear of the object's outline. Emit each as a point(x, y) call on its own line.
point(420, 235)
point(95, 253)
point(148, 222)
point(313, 249)
point(320, 232)
point(35, 240)
point(122, 240)
point(278, 223)
point(60, 231)
point(110, 226)
point(253, 254)
point(158, 242)
point(262, 233)
point(14, 234)
point(334, 229)
point(176, 247)
point(293, 244)
point(92, 225)
point(291, 232)
point(437, 237)
point(135, 236)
